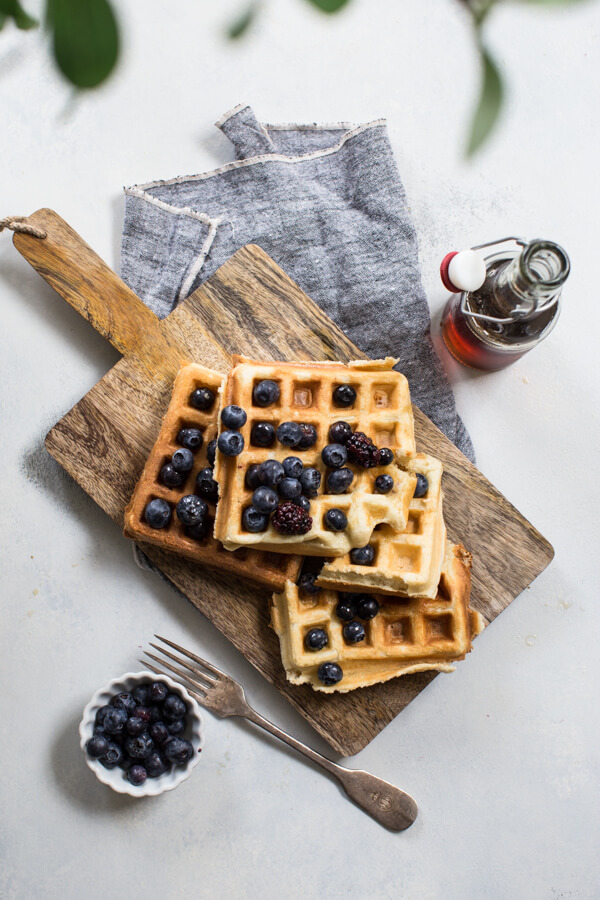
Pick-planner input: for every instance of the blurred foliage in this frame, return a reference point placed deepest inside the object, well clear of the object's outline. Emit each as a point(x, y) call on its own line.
point(84, 39)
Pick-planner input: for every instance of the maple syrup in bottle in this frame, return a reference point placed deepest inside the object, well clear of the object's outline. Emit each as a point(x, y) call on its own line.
point(516, 307)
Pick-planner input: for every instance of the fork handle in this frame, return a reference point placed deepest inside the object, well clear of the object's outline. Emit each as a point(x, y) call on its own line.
point(387, 804)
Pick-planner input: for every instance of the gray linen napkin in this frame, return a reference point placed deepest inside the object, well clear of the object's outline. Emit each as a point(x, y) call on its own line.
point(327, 204)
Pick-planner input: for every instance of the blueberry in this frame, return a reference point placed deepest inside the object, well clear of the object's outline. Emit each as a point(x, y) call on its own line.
point(310, 481)
point(114, 720)
point(155, 713)
point(271, 472)
point(155, 764)
point(113, 756)
point(368, 607)
point(230, 443)
point(134, 725)
point(137, 775)
point(334, 455)
point(177, 726)
point(316, 639)
point(340, 432)
point(140, 694)
point(292, 466)
point(202, 398)
point(125, 701)
point(191, 510)
point(353, 632)
point(140, 746)
point(362, 556)
point(170, 476)
point(309, 436)
point(157, 513)
point(303, 503)
point(101, 713)
point(206, 485)
point(306, 583)
point(265, 500)
point(159, 732)
point(191, 438)
point(336, 520)
point(289, 434)
point(384, 484)
point(265, 393)
point(174, 707)
point(262, 434)
point(143, 712)
point(97, 746)
point(254, 521)
point(198, 532)
point(182, 460)
point(344, 395)
point(289, 488)
point(422, 486)
point(178, 751)
point(386, 456)
point(233, 416)
point(329, 673)
point(339, 480)
point(211, 451)
point(252, 479)
point(157, 692)
point(346, 607)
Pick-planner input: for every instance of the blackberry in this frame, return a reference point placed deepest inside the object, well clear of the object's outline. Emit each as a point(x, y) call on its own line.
point(291, 519)
point(309, 437)
point(362, 450)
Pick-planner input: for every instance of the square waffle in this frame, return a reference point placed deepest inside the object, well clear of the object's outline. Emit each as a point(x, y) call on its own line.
point(407, 634)
point(407, 562)
point(382, 410)
point(267, 569)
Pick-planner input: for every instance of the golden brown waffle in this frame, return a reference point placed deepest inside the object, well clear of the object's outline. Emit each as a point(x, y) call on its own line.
point(407, 562)
point(407, 634)
point(382, 411)
point(268, 569)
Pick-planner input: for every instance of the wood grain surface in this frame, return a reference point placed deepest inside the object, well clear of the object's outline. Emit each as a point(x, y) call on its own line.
point(249, 306)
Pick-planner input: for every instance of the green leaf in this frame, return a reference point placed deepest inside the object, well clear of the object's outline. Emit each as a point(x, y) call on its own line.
point(14, 9)
point(85, 40)
point(240, 25)
point(329, 6)
point(490, 103)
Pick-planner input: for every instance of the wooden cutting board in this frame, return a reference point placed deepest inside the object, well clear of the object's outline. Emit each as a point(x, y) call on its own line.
point(249, 306)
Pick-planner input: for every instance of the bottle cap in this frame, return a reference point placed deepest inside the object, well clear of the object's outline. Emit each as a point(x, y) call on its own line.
point(462, 271)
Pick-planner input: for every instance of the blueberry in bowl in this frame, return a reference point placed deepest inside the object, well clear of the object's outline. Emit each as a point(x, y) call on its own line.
point(157, 745)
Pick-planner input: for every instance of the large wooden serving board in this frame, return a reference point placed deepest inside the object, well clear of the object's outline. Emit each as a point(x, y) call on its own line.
point(249, 306)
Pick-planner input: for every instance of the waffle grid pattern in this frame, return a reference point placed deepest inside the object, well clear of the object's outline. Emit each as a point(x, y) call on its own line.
point(407, 562)
point(268, 569)
point(407, 635)
point(382, 410)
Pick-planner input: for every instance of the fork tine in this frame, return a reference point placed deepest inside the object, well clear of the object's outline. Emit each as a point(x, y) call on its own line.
point(193, 657)
point(182, 662)
point(196, 686)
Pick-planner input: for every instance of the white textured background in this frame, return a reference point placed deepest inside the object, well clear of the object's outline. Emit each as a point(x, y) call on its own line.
point(502, 755)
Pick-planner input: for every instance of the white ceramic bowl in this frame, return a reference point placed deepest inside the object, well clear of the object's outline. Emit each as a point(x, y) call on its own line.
point(115, 778)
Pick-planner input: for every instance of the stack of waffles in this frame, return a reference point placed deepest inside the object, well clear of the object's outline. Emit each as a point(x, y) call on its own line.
point(387, 593)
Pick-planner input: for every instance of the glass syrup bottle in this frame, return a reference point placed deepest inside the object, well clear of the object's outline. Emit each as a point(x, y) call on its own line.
point(515, 308)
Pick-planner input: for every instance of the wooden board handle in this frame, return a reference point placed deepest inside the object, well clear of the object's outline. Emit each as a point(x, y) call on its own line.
point(78, 274)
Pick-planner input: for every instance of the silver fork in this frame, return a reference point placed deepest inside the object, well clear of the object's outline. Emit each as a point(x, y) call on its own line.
point(219, 692)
